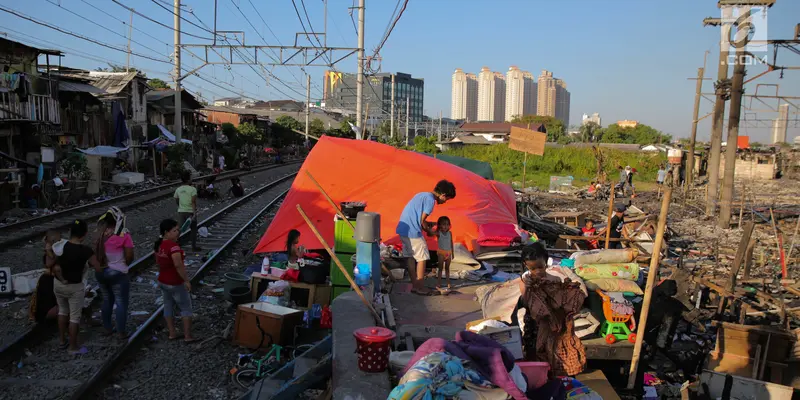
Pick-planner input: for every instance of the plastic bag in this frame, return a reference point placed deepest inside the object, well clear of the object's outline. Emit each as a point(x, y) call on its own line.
point(326, 319)
point(277, 288)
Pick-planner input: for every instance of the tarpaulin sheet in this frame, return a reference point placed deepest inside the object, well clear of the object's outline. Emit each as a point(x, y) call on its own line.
point(385, 178)
point(103, 151)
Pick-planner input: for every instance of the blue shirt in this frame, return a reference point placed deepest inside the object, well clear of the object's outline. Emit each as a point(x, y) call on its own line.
point(409, 225)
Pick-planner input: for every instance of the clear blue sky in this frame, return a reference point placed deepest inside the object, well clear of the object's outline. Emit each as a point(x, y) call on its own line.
point(626, 59)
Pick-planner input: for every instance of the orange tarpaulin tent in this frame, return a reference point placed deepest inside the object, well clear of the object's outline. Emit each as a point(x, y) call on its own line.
point(386, 179)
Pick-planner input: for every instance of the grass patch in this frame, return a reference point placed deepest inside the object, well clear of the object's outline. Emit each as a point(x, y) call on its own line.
point(566, 161)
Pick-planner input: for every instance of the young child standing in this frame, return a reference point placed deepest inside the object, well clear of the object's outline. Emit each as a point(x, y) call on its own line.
point(589, 230)
point(445, 252)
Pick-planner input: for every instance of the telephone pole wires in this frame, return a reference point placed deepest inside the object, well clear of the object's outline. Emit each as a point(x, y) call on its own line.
point(360, 77)
point(177, 37)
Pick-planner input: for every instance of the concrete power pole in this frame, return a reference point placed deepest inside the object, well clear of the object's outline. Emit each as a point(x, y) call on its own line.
point(408, 107)
point(391, 126)
point(308, 104)
point(177, 35)
point(690, 159)
point(737, 90)
point(716, 125)
point(130, 35)
point(440, 125)
point(360, 77)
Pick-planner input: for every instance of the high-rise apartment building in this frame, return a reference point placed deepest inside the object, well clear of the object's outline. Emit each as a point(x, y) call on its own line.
point(595, 117)
point(553, 97)
point(520, 93)
point(491, 96)
point(464, 104)
point(781, 124)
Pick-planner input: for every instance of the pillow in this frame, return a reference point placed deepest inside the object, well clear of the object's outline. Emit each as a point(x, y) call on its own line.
point(614, 285)
point(628, 271)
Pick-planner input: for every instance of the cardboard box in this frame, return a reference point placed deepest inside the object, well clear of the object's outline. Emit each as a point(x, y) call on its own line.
point(510, 338)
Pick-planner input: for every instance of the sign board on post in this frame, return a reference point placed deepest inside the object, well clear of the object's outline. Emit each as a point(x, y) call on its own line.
point(527, 141)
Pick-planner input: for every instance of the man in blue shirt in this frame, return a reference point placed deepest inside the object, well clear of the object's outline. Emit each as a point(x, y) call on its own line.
point(411, 226)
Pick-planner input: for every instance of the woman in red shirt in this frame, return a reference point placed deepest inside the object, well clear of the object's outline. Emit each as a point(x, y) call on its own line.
point(173, 279)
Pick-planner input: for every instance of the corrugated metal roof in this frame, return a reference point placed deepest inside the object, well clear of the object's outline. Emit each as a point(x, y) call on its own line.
point(469, 139)
point(66, 86)
point(112, 82)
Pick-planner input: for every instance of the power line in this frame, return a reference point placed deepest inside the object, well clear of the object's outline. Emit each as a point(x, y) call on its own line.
point(158, 22)
point(125, 22)
point(184, 19)
point(64, 31)
point(106, 28)
point(391, 28)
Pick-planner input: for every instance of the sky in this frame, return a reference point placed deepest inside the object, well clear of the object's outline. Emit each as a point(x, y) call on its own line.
point(626, 59)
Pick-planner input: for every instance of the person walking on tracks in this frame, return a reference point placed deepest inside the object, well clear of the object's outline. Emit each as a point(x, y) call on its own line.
point(186, 198)
point(69, 287)
point(173, 279)
point(114, 251)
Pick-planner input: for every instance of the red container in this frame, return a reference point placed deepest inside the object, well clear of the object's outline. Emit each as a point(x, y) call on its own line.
point(535, 371)
point(373, 346)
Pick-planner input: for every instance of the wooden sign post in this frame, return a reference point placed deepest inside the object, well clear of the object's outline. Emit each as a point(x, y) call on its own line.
point(528, 142)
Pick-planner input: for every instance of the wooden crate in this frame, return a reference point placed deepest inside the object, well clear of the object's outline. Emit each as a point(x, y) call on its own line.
point(316, 294)
point(279, 322)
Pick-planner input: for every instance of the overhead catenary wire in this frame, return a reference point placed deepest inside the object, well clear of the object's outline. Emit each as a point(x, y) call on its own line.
point(79, 36)
point(158, 22)
point(184, 19)
point(125, 23)
point(102, 26)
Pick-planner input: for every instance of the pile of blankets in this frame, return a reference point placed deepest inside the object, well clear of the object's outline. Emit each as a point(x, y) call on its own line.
point(609, 270)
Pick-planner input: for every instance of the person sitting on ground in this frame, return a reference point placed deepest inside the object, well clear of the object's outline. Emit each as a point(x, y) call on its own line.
point(237, 190)
point(589, 230)
point(445, 251)
point(69, 287)
point(43, 302)
point(616, 226)
point(173, 279)
point(411, 225)
point(186, 199)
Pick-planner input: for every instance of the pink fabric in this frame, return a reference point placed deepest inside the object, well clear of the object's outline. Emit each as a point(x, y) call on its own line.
point(497, 234)
point(115, 251)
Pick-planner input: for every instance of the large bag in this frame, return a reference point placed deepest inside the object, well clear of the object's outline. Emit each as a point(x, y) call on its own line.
point(614, 285)
point(499, 300)
point(605, 256)
point(627, 271)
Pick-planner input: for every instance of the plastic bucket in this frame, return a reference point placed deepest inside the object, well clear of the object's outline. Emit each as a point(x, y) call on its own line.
point(362, 279)
point(240, 295)
point(373, 346)
point(234, 280)
point(535, 371)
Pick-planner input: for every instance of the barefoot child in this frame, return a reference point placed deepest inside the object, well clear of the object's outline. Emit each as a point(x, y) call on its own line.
point(445, 252)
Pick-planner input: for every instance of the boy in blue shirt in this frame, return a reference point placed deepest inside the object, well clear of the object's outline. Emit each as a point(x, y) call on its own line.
point(411, 225)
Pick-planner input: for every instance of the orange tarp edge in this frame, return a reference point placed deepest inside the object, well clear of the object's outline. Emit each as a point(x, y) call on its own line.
point(385, 178)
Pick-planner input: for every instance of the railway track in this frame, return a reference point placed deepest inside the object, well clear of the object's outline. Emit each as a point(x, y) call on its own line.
point(35, 228)
point(34, 368)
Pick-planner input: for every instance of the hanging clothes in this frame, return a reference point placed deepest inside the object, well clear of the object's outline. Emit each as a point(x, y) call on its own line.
point(552, 305)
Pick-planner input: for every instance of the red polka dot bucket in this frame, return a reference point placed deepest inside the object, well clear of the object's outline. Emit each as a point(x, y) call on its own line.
point(373, 345)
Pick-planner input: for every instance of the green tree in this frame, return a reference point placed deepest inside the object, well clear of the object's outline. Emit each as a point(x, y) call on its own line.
point(589, 131)
point(384, 130)
point(316, 127)
point(641, 134)
point(289, 123)
point(156, 83)
point(555, 127)
point(250, 134)
point(423, 144)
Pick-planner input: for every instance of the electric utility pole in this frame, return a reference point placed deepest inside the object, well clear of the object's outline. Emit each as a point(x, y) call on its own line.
point(737, 89)
point(130, 35)
point(391, 126)
point(720, 86)
point(408, 106)
point(440, 125)
point(360, 77)
point(308, 105)
point(690, 159)
point(178, 129)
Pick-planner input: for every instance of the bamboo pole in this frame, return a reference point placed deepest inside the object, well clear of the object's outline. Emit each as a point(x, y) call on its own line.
point(779, 243)
point(652, 275)
point(333, 204)
point(791, 246)
point(610, 214)
point(341, 267)
point(741, 204)
point(524, 170)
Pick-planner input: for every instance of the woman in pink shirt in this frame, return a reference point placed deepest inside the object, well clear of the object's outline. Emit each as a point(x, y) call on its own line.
point(115, 252)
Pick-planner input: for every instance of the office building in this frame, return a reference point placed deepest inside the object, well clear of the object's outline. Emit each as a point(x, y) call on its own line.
point(595, 117)
point(553, 98)
point(780, 125)
point(520, 93)
point(340, 94)
point(491, 96)
point(464, 105)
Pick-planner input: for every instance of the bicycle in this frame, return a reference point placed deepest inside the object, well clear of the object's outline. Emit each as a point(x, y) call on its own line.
point(257, 368)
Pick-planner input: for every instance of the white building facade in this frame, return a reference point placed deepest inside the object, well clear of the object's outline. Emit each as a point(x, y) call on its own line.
point(464, 104)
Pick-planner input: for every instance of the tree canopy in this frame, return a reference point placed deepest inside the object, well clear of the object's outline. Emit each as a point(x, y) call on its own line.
point(425, 144)
point(641, 134)
point(555, 127)
point(156, 83)
point(289, 122)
